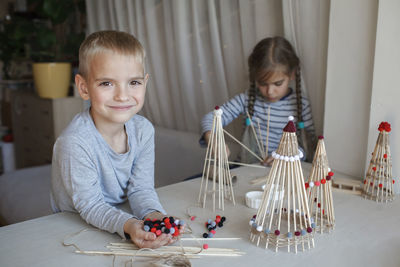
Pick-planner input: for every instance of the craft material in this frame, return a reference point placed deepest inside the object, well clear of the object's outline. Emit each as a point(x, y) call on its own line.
point(216, 160)
point(378, 183)
point(319, 190)
point(253, 199)
point(168, 225)
point(211, 226)
point(285, 221)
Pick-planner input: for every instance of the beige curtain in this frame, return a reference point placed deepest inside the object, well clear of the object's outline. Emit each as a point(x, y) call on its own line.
point(197, 50)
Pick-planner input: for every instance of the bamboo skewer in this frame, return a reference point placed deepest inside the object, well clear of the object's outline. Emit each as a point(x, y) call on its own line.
point(266, 139)
point(245, 147)
point(255, 134)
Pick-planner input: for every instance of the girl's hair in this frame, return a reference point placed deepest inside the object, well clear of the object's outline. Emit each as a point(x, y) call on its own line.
point(109, 41)
point(268, 56)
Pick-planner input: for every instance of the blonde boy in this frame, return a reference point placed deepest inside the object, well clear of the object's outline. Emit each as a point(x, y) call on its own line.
point(106, 154)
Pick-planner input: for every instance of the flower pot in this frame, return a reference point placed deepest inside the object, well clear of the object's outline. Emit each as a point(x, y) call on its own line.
point(52, 80)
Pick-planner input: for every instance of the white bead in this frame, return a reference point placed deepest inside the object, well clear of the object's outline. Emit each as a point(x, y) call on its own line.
point(176, 221)
point(277, 156)
point(291, 158)
point(282, 157)
point(301, 154)
point(218, 112)
point(297, 157)
point(311, 184)
point(297, 210)
point(251, 222)
point(286, 158)
point(259, 228)
point(291, 118)
point(273, 153)
point(329, 169)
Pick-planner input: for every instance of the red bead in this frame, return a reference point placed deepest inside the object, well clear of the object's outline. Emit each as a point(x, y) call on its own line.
point(168, 225)
point(319, 205)
point(213, 232)
point(153, 230)
point(323, 181)
point(309, 229)
point(371, 183)
point(317, 183)
point(205, 246)
point(216, 107)
point(374, 168)
point(192, 218)
point(328, 178)
point(297, 233)
point(331, 173)
point(166, 220)
point(380, 185)
point(393, 181)
point(217, 220)
point(176, 231)
point(277, 232)
point(385, 156)
point(321, 137)
point(307, 185)
point(365, 181)
point(323, 212)
point(158, 232)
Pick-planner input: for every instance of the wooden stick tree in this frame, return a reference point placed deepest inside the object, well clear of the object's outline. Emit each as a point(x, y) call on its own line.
point(283, 218)
point(378, 184)
point(216, 162)
point(319, 191)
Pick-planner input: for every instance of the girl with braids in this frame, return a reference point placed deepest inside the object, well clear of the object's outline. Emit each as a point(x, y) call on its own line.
point(272, 65)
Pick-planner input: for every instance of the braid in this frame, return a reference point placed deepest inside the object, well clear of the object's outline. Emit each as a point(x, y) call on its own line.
point(252, 99)
point(299, 98)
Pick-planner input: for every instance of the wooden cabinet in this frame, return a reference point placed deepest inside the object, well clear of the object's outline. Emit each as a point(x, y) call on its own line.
point(36, 124)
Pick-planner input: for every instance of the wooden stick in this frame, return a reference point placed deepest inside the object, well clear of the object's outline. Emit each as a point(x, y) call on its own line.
point(255, 134)
point(266, 139)
point(245, 147)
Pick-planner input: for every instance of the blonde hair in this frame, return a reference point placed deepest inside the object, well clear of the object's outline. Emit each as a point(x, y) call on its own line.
point(109, 41)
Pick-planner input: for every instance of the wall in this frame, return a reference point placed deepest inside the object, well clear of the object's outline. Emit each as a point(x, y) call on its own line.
point(351, 46)
point(385, 87)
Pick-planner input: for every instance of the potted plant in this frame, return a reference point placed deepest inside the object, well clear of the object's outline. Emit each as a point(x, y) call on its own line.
point(54, 44)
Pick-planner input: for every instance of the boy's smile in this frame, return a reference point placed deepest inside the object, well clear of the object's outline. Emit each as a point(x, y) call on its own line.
point(275, 87)
point(116, 87)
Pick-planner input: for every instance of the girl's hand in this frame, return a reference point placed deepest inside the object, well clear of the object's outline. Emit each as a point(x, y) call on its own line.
point(268, 161)
point(144, 239)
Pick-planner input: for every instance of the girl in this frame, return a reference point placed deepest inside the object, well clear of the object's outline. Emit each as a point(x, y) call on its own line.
point(272, 65)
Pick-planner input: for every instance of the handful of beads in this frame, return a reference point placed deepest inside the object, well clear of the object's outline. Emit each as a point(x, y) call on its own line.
point(168, 225)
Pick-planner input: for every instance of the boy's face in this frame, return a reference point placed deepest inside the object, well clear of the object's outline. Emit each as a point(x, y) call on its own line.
point(115, 85)
point(275, 87)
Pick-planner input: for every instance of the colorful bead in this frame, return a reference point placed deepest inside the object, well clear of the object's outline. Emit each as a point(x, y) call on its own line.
point(393, 181)
point(323, 181)
point(330, 173)
point(172, 231)
point(213, 232)
point(146, 228)
point(321, 137)
point(311, 184)
point(247, 121)
point(300, 125)
point(277, 232)
point(192, 218)
point(374, 168)
point(210, 235)
point(205, 235)
point(289, 235)
point(385, 156)
point(309, 229)
point(254, 225)
point(267, 231)
point(307, 185)
point(223, 219)
point(205, 246)
point(259, 228)
point(216, 107)
point(303, 232)
point(158, 232)
point(380, 185)
point(365, 181)
point(317, 183)
point(313, 225)
point(297, 233)
point(328, 178)
point(371, 183)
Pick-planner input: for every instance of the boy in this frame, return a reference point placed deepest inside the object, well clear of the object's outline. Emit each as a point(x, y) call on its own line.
point(106, 154)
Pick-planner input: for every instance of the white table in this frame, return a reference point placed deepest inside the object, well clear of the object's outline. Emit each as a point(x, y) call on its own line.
point(366, 234)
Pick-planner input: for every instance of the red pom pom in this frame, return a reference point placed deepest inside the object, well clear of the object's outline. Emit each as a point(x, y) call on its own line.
point(331, 173)
point(393, 181)
point(205, 246)
point(307, 185)
point(321, 137)
point(385, 156)
point(216, 107)
point(323, 181)
point(317, 183)
point(371, 183)
point(365, 181)
point(277, 232)
point(192, 218)
point(158, 232)
point(319, 205)
point(290, 127)
point(380, 185)
point(213, 232)
point(374, 168)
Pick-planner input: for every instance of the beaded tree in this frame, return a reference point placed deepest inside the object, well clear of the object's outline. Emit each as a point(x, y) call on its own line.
point(216, 160)
point(319, 190)
point(283, 218)
point(378, 184)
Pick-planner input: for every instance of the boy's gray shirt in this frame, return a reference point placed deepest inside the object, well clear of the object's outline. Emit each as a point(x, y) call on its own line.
point(88, 177)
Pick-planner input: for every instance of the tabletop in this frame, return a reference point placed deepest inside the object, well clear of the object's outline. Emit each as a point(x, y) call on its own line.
point(365, 234)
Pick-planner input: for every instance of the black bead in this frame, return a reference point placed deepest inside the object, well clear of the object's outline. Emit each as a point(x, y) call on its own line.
point(223, 219)
point(171, 220)
point(220, 224)
point(166, 231)
point(205, 235)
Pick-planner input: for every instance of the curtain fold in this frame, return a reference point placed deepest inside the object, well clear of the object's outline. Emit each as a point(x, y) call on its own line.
point(197, 50)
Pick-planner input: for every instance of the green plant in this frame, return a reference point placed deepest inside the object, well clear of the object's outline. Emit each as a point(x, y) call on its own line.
point(14, 35)
point(58, 30)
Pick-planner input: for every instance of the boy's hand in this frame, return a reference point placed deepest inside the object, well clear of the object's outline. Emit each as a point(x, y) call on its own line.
point(144, 239)
point(159, 216)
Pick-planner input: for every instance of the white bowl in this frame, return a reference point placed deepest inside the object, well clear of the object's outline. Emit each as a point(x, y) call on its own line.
point(253, 199)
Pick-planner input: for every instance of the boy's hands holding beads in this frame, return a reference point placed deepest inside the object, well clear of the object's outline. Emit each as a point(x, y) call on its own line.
point(144, 239)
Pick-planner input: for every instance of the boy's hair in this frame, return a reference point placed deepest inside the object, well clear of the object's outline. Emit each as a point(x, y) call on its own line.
point(268, 56)
point(109, 41)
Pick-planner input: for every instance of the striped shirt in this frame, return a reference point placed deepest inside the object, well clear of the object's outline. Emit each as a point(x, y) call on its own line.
point(280, 111)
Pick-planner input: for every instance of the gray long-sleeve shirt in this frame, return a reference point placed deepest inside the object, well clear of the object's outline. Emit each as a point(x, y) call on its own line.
point(88, 177)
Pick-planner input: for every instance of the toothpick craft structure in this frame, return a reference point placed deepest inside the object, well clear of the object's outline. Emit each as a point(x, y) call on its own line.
point(319, 190)
point(216, 162)
point(378, 184)
point(283, 218)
